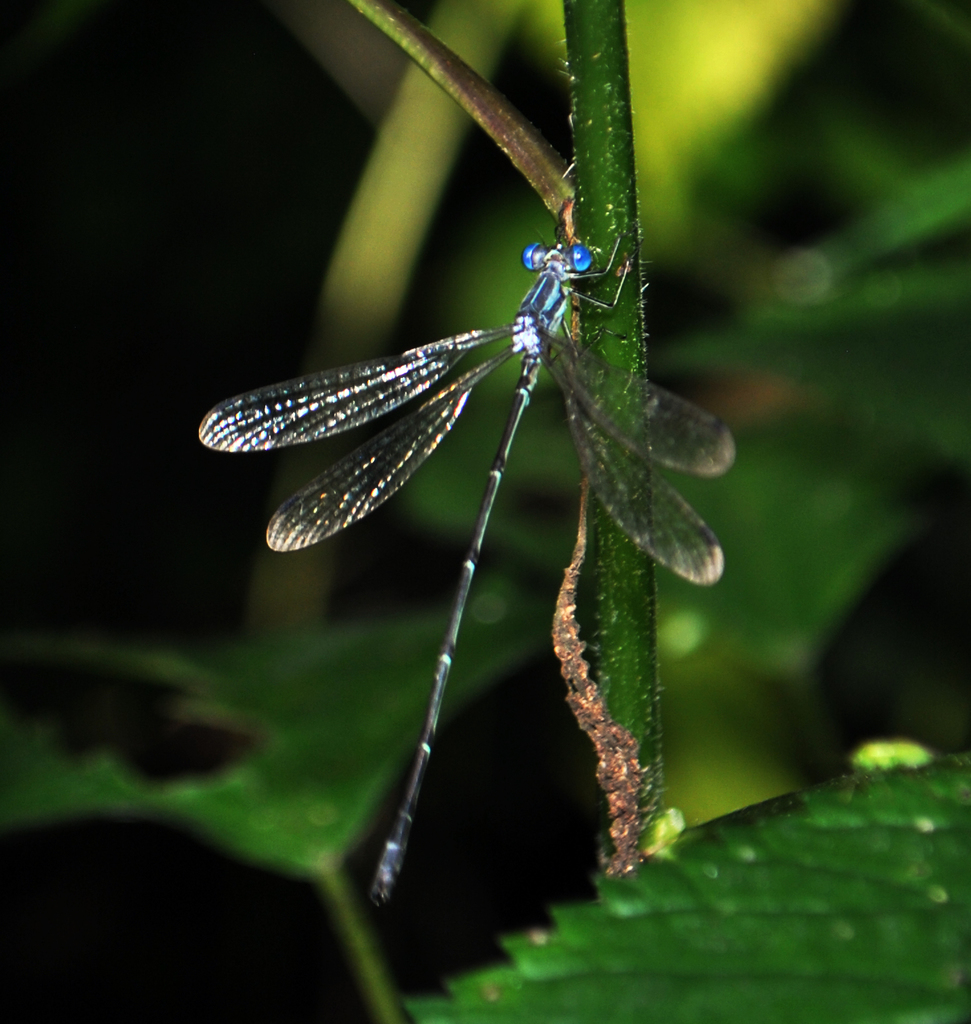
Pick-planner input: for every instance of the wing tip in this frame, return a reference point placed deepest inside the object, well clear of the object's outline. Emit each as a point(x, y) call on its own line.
point(711, 571)
point(284, 534)
point(727, 452)
point(702, 571)
point(207, 429)
point(280, 537)
point(722, 458)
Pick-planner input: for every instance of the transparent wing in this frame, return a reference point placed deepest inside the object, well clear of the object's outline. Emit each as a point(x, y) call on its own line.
point(647, 419)
point(368, 476)
point(645, 506)
point(308, 408)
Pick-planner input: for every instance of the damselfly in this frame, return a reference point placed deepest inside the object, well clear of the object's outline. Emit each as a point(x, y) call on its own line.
point(622, 427)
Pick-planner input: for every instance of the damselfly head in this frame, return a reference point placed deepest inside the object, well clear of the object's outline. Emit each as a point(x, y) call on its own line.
point(574, 260)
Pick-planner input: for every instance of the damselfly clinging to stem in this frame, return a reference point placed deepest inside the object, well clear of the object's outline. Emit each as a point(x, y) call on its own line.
point(622, 426)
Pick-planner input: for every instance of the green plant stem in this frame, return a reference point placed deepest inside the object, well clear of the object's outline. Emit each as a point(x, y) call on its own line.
point(607, 208)
point(362, 948)
point(530, 153)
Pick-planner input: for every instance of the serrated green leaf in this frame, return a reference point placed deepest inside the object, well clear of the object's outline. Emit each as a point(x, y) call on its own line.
point(845, 904)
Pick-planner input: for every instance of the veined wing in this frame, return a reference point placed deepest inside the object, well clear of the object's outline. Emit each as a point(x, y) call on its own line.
point(308, 408)
point(646, 418)
point(368, 476)
point(645, 506)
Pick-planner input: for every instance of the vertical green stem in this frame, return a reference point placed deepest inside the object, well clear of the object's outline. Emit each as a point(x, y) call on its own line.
point(607, 208)
point(361, 946)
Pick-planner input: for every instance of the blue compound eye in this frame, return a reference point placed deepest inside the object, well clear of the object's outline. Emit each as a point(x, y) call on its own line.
point(533, 256)
point(580, 258)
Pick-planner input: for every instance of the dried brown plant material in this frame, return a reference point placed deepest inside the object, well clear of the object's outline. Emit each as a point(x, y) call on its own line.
point(619, 772)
